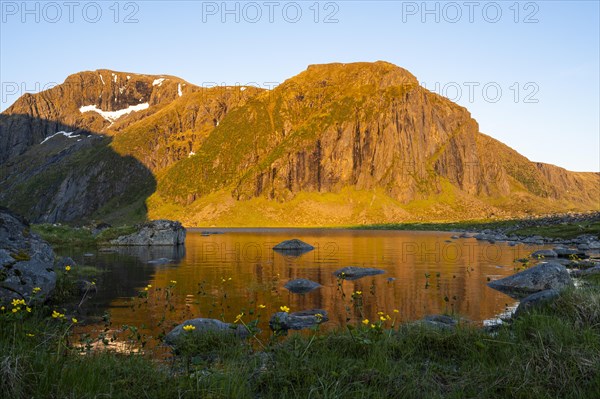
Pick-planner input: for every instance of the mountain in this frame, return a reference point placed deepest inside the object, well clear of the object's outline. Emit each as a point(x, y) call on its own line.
point(338, 144)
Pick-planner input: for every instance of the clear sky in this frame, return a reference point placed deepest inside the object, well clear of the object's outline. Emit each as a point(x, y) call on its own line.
point(527, 71)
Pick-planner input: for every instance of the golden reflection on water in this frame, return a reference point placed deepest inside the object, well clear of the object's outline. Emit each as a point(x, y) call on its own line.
point(222, 275)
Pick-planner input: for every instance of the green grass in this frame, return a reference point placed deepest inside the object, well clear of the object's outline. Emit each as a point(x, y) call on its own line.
point(61, 235)
point(551, 352)
point(442, 226)
point(564, 230)
point(68, 236)
point(568, 230)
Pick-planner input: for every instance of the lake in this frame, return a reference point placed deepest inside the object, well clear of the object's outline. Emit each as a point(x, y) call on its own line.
point(221, 275)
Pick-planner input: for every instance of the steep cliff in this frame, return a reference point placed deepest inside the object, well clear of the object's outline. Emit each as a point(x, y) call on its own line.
point(336, 144)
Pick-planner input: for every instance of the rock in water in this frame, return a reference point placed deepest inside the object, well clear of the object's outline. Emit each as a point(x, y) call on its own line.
point(156, 232)
point(293, 247)
point(562, 252)
point(205, 325)
point(538, 278)
point(26, 261)
point(301, 286)
point(282, 321)
point(535, 300)
point(544, 253)
point(355, 272)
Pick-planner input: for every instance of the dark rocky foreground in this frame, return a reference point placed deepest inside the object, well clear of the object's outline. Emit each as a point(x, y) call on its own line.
point(26, 261)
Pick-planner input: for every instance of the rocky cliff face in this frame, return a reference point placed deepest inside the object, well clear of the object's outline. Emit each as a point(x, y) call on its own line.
point(34, 117)
point(366, 126)
point(336, 144)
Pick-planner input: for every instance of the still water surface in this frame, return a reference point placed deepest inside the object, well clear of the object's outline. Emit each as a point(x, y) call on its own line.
point(221, 275)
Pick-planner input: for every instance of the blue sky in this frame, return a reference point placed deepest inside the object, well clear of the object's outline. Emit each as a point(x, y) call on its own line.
point(527, 71)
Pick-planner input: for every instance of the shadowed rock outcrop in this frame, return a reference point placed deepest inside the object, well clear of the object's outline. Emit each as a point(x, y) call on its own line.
point(26, 261)
point(156, 232)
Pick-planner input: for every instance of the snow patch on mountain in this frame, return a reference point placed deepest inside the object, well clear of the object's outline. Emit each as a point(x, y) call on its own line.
point(112, 116)
point(68, 135)
point(158, 82)
point(179, 92)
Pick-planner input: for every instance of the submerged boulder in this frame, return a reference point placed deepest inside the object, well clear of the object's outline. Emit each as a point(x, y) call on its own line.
point(156, 232)
point(282, 321)
point(202, 325)
point(26, 261)
point(301, 286)
point(293, 244)
point(356, 272)
point(293, 247)
point(538, 278)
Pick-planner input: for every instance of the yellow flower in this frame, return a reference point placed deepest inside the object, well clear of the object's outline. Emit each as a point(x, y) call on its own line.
point(261, 306)
point(229, 279)
point(30, 335)
point(28, 309)
point(149, 286)
point(2, 308)
point(358, 292)
point(93, 283)
point(67, 268)
point(36, 290)
point(365, 321)
point(396, 311)
point(189, 327)
point(74, 320)
point(15, 310)
point(57, 315)
point(319, 316)
point(372, 325)
point(239, 317)
point(17, 302)
point(173, 282)
point(387, 316)
point(379, 313)
point(381, 318)
point(145, 288)
point(284, 309)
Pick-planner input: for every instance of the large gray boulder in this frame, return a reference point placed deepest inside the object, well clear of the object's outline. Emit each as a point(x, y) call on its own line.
point(356, 272)
point(26, 261)
point(536, 300)
point(282, 321)
point(156, 232)
point(542, 277)
point(203, 325)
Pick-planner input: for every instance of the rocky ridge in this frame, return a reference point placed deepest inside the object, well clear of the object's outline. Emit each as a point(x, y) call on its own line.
point(344, 143)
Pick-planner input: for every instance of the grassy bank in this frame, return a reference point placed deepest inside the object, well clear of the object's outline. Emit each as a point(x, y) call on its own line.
point(565, 230)
point(553, 352)
point(65, 235)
